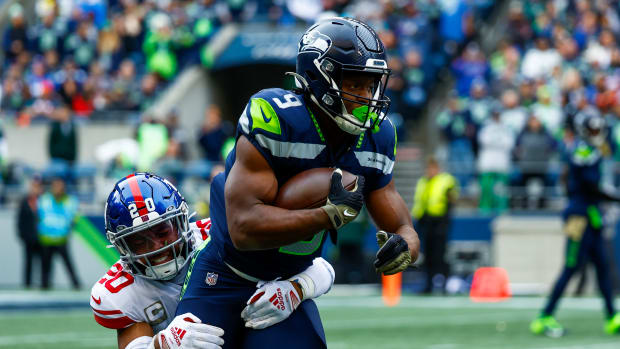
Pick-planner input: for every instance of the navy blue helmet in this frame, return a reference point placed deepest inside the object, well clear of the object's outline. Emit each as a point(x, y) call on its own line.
point(340, 47)
point(591, 126)
point(147, 220)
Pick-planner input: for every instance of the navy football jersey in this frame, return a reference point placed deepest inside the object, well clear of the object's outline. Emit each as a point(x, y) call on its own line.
point(584, 171)
point(279, 124)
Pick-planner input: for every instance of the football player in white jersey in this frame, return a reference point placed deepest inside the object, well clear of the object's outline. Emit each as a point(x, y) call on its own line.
point(147, 221)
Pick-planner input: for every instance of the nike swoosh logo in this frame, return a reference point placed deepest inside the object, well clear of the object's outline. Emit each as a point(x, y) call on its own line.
point(98, 301)
point(348, 214)
point(265, 117)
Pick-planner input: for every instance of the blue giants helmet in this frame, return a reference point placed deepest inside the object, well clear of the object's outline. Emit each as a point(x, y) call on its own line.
point(331, 49)
point(147, 220)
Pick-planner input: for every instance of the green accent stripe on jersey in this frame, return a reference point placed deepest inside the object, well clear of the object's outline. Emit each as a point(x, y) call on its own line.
point(375, 160)
point(395, 138)
point(595, 217)
point(303, 248)
point(191, 265)
point(264, 117)
point(289, 149)
point(95, 241)
point(360, 140)
point(316, 125)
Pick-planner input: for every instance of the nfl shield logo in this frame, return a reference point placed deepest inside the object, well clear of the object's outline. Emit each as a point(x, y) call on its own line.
point(211, 279)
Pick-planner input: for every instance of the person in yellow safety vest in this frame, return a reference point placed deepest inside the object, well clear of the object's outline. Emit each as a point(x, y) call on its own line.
point(434, 195)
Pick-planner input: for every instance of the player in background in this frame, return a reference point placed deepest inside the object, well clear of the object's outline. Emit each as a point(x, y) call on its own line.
point(583, 223)
point(147, 221)
point(336, 118)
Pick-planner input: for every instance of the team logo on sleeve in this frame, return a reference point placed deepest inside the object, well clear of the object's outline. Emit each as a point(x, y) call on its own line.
point(211, 279)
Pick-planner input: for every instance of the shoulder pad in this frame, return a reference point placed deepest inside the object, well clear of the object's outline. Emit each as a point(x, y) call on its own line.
point(268, 111)
point(111, 298)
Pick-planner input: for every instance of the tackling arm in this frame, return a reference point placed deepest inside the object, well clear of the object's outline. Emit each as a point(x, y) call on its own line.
point(126, 336)
point(390, 213)
point(253, 223)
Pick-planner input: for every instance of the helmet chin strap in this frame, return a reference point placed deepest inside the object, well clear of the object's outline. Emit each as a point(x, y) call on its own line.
point(342, 123)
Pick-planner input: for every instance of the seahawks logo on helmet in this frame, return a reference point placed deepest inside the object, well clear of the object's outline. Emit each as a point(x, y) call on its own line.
point(315, 41)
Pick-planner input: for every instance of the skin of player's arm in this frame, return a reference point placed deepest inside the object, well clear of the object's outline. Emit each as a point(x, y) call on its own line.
point(128, 334)
point(253, 223)
point(389, 211)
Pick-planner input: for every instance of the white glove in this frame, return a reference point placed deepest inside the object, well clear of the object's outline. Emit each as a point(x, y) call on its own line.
point(274, 301)
point(188, 332)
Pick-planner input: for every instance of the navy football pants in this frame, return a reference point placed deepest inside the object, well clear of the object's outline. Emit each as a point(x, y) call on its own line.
point(589, 247)
point(221, 305)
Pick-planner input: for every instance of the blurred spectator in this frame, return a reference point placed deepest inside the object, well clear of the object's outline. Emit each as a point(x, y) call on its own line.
point(27, 228)
point(456, 21)
point(62, 141)
point(57, 212)
point(49, 31)
point(177, 134)
point(15, 39)
point(148, 91)
point(159, 47)
point(459, 131)
point(125, 91)
point(548, 113)
point(152, 137)
point(435, 193)
point(513, 115)
point(533, 150)
point(479, 103)
point(539, 61)
point(82, 45)
point(212, 134)
point(496, 142)
point(469, 66)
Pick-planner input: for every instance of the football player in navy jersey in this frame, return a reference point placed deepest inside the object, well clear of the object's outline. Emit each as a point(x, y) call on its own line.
point(583, 223)
point(336, 118)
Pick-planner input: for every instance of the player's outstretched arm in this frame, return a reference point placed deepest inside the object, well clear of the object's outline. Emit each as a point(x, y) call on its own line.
point(253, 223)
point(399, 244)
point(275, 301)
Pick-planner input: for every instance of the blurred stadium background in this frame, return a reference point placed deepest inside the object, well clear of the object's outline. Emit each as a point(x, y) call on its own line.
point(158, 85)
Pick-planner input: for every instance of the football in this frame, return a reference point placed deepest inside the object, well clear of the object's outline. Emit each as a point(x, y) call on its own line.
point(309, 189)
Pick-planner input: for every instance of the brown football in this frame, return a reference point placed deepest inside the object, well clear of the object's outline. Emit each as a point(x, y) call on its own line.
point(309, 189)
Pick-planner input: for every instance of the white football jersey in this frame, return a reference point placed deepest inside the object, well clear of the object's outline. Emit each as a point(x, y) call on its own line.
point(120, 299)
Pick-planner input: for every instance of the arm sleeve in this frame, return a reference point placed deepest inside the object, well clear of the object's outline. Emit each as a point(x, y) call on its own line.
point(317, 279)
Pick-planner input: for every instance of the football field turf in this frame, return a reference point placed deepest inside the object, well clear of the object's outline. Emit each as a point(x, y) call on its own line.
point(362, 322)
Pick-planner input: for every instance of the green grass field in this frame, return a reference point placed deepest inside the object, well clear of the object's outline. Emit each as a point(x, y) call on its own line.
point(363, 322)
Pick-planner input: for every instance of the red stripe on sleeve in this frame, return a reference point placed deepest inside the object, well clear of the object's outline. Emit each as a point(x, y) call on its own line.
point(114, 324)
point(107, 312)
